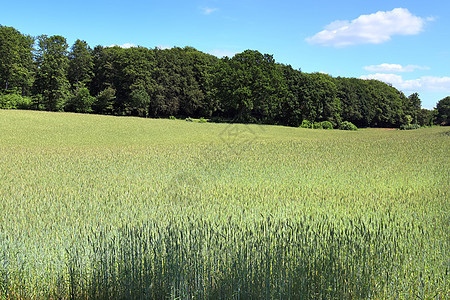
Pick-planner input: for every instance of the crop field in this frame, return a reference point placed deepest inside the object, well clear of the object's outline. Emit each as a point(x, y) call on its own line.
point(100, 207)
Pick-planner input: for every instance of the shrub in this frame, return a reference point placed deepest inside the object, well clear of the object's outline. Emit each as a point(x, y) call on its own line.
point(346, 125)
point(172, 118)
point(11, 101)
point(326, 125)
point(306, 124)
point(202, 120)
point(104, 101)
point(317, 125)
point(410, 127)
point(80, 102)
point(24, 103)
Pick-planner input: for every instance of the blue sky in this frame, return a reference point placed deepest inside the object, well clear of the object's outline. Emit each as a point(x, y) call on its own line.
point(405, 43)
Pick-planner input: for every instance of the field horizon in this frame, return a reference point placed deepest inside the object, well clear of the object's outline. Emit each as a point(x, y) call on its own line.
point(108, 207)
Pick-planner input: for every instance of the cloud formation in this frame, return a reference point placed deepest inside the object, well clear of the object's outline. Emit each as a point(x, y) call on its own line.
point(375, 28)
point(393, 68)
point(125, 46)
point(425, 83)
point(208, 10)
point(163, 47)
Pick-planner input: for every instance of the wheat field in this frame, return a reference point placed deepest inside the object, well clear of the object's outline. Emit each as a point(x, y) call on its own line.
point(101, 207)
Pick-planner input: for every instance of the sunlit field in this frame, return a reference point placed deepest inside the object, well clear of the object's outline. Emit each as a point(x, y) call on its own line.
point(100, 207)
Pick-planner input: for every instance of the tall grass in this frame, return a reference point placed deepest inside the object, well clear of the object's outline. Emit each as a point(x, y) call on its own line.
point(123, 208)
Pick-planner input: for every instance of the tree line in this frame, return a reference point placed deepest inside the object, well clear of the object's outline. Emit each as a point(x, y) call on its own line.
point(43, 73)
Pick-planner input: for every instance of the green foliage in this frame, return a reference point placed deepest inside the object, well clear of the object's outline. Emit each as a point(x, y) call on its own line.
point(249, 87)
point(80, 64)
point(104, 101)
point(318, 98)
point(51, 77)
point(443, 111)
point(409, 127)
point(182, 83)
point(172, 118)
point(16, 60)
point(425, 117)
point(14, 101)
point(408, 120)
point(371, 103)
point(317, 125)
point(139, 102)
point(346, 125)
point(81, 101)
point(306, 124)
point(189, 119)
point(326, 125)
point(413, 107)
point(291, 108)
point(102, 207)
point(202, 120)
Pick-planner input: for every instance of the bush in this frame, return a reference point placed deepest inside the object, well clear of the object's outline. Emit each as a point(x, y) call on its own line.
point(24, 103)
point(317, 125)
point(12, 101)
point(81, 101)
point(104, 101)
point(326, 125)
point(202, 120)
point(347, 126)
point(172, 118)
point(306, 124)
point(410, 127)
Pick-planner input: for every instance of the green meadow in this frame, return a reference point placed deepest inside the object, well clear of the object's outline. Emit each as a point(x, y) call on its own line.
point(102, 207)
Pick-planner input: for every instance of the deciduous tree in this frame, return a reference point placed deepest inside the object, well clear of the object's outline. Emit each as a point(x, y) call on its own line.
point(80, 64)
point(51, 78)
point(16, 60)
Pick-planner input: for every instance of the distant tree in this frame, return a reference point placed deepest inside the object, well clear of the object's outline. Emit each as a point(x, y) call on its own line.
point(318, 98)
point(182, 79)
point(139, 102)
point(350, 92)
point(124, 71)
point(109, 63)
point(443, 111)
point(80, 64)
point(104, 101)
point(413, 107)
point(250, 87)
point(290, 111)
point(425, 117)
point(16, 60)
point(81, 101)
point(51, 78)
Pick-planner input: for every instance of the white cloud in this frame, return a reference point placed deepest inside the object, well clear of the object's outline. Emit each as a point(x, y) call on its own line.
point(393, 68)
point(125, 46)
point(222, 53)
point(424, 83)
point(163, 47)
point(208, 10)
point(369, 29)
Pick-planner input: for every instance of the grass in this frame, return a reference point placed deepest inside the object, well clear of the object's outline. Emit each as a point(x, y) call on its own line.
point(112, 208)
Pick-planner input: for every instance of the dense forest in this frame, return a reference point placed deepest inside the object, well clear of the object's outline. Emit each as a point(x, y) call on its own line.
point(43, 73)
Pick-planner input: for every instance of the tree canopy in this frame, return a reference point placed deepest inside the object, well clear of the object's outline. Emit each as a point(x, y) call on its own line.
point(184, 82)
point(443, 111)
